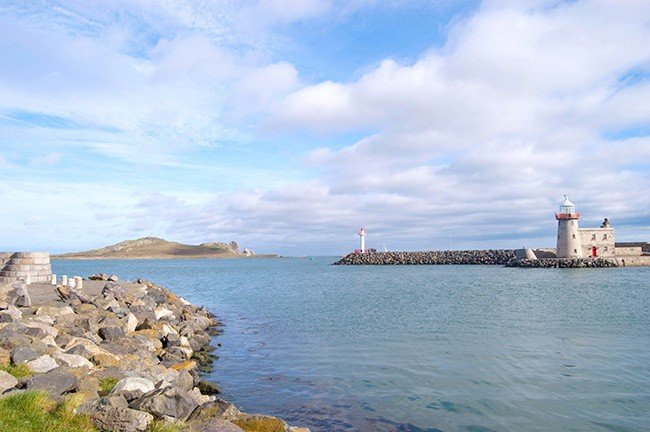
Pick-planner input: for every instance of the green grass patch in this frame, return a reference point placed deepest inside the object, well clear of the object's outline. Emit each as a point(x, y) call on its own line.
point(161, 426)
point(36, 412)
point(18, 371)
point(106, 385)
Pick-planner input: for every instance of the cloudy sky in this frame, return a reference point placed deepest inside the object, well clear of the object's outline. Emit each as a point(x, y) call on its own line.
point(288, 124)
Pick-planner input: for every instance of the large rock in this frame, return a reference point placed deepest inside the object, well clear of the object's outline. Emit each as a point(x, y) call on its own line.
point(130, 323)
point(113, 290)
point(54, 311)
point(133, 387)
point(18, 295)
point(218, 409)
point(262, 422)
point(73, 360)
point(111, 333)
point(214, 425)
point(112, 414)
point(22, 354)
point(55, 383)
point(7, 381)
point(42, 364)
point(167, 402)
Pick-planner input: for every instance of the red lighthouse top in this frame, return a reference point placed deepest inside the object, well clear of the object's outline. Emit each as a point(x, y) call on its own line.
point(567, 210)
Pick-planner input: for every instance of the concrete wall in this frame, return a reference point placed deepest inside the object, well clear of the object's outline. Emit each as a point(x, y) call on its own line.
point(568, 239)
point(20, 265)
point(600, 238)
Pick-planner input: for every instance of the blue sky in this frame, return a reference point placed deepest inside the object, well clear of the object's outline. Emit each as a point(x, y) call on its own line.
point(288, 124)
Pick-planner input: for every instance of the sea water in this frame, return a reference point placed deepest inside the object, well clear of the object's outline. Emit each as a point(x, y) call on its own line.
point(421, 348)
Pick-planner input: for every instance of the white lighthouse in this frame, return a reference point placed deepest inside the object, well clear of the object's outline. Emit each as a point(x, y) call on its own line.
point(362, 239)
point(568, 235)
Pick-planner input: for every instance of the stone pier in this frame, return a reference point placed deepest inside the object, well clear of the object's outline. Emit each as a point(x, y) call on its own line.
point(25, 265)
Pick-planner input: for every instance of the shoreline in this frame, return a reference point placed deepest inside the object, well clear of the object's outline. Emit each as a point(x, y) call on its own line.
point(89, 258)
point(152, 344)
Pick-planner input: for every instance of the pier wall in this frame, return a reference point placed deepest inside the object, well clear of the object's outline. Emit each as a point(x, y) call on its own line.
point(482, 257)
point(22, 265)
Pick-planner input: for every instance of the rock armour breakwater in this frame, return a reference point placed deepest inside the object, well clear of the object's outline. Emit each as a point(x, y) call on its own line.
point(131, 352)
point(563, 263)
point(474, 257)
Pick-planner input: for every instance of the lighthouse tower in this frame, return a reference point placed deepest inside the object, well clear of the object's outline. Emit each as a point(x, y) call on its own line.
point(568, 237)
point(362, 237)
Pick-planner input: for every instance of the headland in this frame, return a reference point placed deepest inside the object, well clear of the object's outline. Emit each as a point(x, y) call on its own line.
point(157, 248)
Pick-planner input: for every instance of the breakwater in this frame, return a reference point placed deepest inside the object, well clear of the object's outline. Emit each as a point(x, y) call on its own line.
point(132, 354)
point(563, 263)
point(474, 257)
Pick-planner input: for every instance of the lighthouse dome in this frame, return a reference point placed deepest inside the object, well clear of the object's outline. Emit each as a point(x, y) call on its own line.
point(567, 206)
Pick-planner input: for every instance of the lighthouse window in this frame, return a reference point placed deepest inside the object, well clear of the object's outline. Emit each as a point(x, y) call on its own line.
point(593, 237)
point(605, 237)
point(575, 250)
point(574, 236)
point(605, 248)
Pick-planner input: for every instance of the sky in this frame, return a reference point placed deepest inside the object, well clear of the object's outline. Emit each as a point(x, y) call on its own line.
point(286, 125)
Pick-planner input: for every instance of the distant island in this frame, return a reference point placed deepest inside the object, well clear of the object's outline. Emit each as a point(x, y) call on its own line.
point(157, 248)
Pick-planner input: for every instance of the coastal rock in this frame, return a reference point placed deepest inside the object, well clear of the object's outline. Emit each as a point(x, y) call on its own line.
point(112, 414)
point(113, 290)
point(170, 401)
point(55, 382)
point(42, 364)
point(22, 354)
point(214, 425)
point(113, 278)
point(72, 360)
point(466, 257)
point(130, 323)
point(217, 409)
point(133, 387)
point(262, 422)
point(7, 381)
point(63, 292)
point(110, 333)
point(54, 311)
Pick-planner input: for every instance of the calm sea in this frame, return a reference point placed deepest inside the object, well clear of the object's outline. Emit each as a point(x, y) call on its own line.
point(421, 348)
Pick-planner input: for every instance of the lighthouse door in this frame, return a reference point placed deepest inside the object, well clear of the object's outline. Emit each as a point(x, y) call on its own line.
point(593, 252)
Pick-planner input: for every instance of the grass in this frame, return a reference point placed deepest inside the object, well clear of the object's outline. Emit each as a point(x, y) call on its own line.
point(106, 385)
point(161, 426)
point(18, 371)
point(36, 412)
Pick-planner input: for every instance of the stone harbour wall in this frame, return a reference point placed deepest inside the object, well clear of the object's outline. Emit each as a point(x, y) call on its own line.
point(474, 257)
point(32, 266)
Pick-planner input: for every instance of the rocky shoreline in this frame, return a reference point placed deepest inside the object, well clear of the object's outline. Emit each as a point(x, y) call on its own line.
point(473, 257)
point(131, 353)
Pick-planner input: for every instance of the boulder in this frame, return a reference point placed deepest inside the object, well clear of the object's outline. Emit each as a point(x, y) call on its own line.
point(100, 277)
point(130, 323)
point(64, 292)
point(110, 333)
point(113, 290)
point(262, 422)
point(42, 364)
point(7, 381)
point(54, 311)
point(218, 409)
point(133, 387)
point(73, 360)
point(170, 401)
point(208, 387)
point(113, 278)
point(22, 354)
point(214, 425)
point(112, 414)
point(55, 382)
